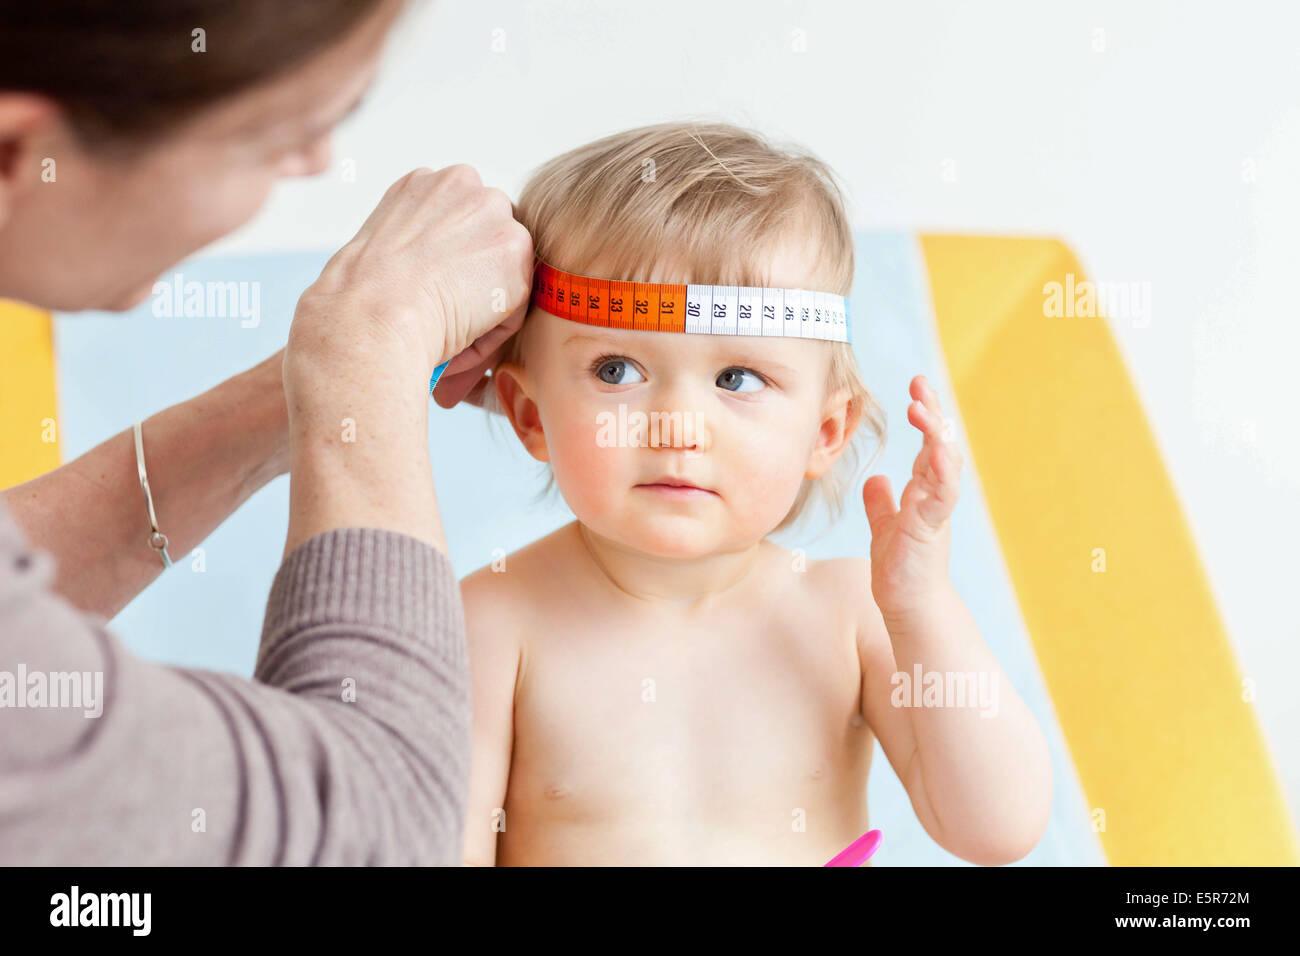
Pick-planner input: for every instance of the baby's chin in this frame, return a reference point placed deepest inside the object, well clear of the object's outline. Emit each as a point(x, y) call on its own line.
point(679, 537)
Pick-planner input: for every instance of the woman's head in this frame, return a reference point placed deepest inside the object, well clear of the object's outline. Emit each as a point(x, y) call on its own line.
point(776, 420)
point(133, 134)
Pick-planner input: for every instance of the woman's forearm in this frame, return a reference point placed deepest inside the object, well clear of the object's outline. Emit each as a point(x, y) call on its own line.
point(205, 457)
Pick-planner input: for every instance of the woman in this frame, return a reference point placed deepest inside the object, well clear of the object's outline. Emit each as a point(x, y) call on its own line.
point(130, 136)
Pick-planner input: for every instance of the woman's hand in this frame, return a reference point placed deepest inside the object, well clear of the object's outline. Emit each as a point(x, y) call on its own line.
point(910, 544)
point(440, 262)
point(465, 376)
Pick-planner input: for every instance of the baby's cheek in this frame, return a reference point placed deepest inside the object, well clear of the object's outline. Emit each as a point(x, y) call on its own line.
point(589, 474)
point(765, 485)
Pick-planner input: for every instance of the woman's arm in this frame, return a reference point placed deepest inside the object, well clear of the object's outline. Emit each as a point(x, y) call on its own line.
point(205, 458)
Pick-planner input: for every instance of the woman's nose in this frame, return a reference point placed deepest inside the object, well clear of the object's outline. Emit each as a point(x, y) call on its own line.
point(312, 160)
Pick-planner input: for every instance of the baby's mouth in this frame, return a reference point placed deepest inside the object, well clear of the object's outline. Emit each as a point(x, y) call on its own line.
point(676, 488)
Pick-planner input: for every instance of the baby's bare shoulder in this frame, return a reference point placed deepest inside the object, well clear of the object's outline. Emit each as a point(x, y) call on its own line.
point(826, 576)
point(848, 580)
point(498, 593)
point(490, 612)
point(844, 584)
point(841, 586)
point(845, 572)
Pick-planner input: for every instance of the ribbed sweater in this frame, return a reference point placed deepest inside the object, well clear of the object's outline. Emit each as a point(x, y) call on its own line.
point(350, 744)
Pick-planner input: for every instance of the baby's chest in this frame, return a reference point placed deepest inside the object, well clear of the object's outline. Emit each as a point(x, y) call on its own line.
point(609, 723)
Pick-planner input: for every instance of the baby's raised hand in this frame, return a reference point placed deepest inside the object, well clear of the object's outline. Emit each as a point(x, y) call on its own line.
point(910, 544)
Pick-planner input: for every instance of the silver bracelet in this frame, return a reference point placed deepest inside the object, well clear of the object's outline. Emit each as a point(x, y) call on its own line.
point(157, 540)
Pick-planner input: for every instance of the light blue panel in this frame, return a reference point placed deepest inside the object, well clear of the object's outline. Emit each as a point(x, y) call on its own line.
point(114, 369)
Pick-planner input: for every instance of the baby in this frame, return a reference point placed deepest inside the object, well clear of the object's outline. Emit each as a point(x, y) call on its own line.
point(657, 682)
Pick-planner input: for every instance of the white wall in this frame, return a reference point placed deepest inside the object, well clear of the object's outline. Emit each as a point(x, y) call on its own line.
point(1171, 155)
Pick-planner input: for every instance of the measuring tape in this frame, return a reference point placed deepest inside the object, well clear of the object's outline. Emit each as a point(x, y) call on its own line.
point(688, 308)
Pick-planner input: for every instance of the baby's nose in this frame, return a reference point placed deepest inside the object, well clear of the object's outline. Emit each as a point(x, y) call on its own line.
point(681, 428)
point(675, 403)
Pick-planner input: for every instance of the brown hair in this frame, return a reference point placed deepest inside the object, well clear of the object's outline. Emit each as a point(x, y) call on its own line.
point(124, 70)
point(716, 197)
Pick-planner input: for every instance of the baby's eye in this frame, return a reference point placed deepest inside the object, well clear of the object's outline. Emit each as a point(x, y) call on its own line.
point(731, 380)
point(611, 371)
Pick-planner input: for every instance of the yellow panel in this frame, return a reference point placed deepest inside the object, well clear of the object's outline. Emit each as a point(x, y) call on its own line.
point(27, 394)
point(1137, 658)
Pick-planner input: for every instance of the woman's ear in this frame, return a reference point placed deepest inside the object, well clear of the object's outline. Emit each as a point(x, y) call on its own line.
point(25, 120)
point(840, 418)
point(514, 388)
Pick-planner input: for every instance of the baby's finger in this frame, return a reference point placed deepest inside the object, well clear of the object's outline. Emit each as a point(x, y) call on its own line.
point(945, 461)
point(930, 499)
point(933, 509)
point(930, 424)
point(926, 393)
point(939, 460)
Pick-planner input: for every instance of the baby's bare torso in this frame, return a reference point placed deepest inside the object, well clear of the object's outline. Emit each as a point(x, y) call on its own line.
point(644, 735)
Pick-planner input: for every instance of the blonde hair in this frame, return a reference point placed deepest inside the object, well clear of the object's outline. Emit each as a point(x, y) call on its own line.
point(709, 198)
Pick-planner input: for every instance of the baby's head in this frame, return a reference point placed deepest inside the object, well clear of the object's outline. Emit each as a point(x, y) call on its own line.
point(765, 424)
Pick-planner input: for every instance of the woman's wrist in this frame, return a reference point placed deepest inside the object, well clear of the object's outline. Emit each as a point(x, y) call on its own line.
point(359, 422)
point(259, 401)
point(324, 377)
point(234, 438)
point(272, 414)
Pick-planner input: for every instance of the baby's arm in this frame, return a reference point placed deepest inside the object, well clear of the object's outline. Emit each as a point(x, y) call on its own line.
point(980, 785)
point(494, 653)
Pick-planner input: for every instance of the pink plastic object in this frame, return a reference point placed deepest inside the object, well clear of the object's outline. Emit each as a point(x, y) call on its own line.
point(857, 852)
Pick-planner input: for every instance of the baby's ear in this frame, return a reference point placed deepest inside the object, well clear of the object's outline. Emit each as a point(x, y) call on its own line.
point(840, 418)
point(513, 387)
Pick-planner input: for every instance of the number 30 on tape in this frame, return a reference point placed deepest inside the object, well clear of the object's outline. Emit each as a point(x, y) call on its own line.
point(701, 309)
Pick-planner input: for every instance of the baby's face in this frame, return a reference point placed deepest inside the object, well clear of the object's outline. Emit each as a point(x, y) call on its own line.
point(616, 412)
